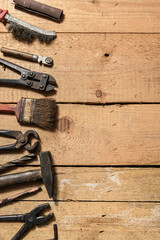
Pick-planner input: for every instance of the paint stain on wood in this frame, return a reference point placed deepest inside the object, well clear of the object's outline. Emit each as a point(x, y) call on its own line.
point(64, 124)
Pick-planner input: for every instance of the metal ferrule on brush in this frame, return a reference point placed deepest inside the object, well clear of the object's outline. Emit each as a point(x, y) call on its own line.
point(28, 106)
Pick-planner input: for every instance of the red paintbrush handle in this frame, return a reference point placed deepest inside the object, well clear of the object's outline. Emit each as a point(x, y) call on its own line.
point(6, 108)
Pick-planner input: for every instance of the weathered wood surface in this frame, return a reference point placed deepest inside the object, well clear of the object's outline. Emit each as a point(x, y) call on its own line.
point(98, 135)
point(131, 73)
point(97, 16)
point(91, 221)
point(100, 56)
point(95, 184)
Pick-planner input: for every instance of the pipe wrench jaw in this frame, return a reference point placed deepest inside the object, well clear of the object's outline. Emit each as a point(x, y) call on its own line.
point(2, 14)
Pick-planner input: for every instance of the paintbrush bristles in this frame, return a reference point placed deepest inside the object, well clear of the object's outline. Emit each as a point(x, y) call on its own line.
point(44, 113)
point(40, 112)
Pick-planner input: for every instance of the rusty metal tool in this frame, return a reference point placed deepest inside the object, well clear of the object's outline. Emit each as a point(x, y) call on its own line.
point(17, 162)
point(45, 173)
point(30, 219)
point(31, 79)
point(23, 55)
point(19, 195)
point(40, 8)
point(55, 229)
point(22, 140)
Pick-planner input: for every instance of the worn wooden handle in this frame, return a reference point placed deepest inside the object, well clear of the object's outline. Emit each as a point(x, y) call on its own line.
point(6, 108)
point(17, 54)
point(13, 179)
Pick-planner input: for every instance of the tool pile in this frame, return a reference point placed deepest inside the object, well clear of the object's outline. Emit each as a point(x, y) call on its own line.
point(39, 112)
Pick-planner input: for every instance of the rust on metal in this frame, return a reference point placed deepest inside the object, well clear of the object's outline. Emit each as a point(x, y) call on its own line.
point(19, 195)
point(40, 8)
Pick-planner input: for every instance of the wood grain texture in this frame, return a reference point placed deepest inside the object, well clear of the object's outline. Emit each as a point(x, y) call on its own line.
point(95, 184)
point(98, 135)
point(91, 221)
point(101, 55)
point(84, 74)
point(97, 16)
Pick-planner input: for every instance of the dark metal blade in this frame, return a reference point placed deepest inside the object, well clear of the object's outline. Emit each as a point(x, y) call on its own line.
point(46, 170)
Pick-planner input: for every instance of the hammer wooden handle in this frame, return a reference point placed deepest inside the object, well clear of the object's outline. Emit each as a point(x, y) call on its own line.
point(12, 179)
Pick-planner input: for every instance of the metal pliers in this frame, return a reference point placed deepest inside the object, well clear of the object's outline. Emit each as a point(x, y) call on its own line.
point(31, 79)
point(22, 140)
point(31, 219)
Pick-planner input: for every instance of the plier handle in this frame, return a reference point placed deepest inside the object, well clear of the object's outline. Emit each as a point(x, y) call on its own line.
point(31, 79)
point(30, 219)
point(22, 140)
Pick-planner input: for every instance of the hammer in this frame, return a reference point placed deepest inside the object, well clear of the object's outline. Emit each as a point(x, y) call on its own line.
point(45, 174)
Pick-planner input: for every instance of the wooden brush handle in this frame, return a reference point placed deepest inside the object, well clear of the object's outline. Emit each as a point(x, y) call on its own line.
point(6, 108)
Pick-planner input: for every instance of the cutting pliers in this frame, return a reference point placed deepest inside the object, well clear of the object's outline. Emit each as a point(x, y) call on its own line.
point(31, 79)
point(30, 219)
point(22, 140)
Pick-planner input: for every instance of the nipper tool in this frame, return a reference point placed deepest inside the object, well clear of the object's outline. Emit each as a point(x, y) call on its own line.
point(22, 140)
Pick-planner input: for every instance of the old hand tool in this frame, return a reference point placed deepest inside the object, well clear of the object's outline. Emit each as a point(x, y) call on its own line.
point(31, 79)
point(24, 30)
point(30, 111)
point(40, 8)
point(22, 140)
point(45, 174)
point(17, 162)
point(19, 195)
point(32, 57)
point(30, 219)
point(55, 228)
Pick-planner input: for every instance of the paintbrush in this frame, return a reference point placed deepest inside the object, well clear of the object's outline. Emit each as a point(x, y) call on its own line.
point(40, 112)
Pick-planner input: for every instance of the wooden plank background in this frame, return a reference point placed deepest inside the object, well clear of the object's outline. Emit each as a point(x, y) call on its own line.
point(98, 184)
point(99, 135)
point(129, 74)
point(99, 16)
point(105, 146)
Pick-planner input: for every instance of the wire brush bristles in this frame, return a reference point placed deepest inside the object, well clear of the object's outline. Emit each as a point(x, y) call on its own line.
point(25, 34)
point(21, 33)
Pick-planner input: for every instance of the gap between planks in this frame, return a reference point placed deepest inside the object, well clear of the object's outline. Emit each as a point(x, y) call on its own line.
point(98, 33)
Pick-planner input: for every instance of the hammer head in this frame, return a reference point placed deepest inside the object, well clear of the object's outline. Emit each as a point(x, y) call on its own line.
point(46, 170)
